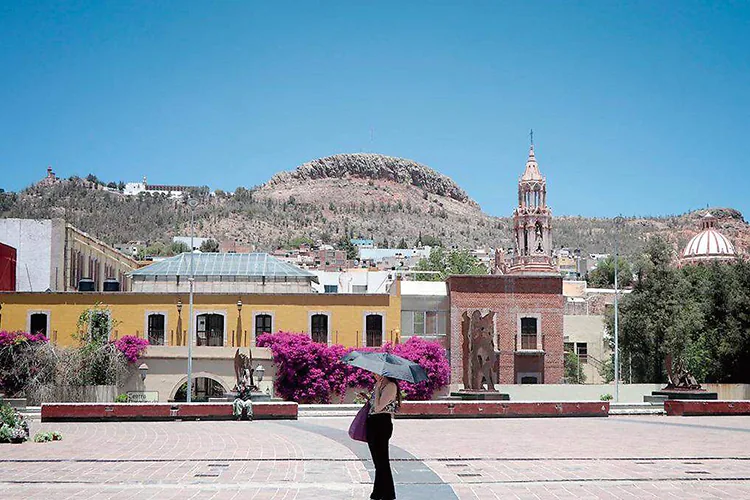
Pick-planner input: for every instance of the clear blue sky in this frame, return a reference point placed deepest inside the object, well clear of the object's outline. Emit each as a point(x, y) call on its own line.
point(640, 108)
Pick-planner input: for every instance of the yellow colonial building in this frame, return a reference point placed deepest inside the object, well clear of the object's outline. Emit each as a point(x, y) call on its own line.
point(222, 321)
point(219, 319)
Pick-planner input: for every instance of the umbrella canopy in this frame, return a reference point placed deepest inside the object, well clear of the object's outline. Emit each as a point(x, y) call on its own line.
point(387, 364)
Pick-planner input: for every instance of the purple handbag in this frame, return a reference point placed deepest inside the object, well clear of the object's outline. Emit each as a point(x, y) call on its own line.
point(358, 428)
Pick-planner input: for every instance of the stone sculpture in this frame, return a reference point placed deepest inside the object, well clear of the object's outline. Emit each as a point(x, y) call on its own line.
point(242, 407)
point(678, 376)
point(243, 371)
point(478, 350)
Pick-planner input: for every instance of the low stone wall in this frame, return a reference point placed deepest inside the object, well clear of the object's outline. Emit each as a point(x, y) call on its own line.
point(694, 408)
point(501, 409)
point(96, 412)
point(629, 393)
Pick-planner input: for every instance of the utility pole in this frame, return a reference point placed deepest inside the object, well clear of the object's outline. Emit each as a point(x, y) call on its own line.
point(192, 203)
point(618, 223)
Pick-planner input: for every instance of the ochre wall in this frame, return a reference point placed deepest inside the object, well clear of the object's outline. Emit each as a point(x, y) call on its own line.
point(290, 312)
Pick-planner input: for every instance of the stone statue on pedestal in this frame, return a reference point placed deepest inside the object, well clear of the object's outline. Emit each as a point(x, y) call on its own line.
point(243, 370)
point(478, 351)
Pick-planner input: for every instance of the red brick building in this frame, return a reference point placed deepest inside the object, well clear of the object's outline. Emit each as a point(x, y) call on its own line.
point(507, 328)
point(524, 314)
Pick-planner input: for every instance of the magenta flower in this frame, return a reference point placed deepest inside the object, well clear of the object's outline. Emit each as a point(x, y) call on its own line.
point(131, 347)
point(308, 372)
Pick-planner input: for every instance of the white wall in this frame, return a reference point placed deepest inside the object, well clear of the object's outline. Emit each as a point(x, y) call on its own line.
point(167, 368)
point(33, 242)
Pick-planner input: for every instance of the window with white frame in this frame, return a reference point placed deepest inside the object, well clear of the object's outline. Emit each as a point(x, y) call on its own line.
point(263, 324)
point(319, 328)
point(210, 329)
point(528, 333)
point(425, 323)
point(374, 330)
point(156, 329)
point(38, 323)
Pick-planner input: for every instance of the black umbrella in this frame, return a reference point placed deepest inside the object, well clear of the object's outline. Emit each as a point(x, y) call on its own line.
point(387, 364)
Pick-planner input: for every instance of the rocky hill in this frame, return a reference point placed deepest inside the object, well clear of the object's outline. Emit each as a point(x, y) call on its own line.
point(373, 167)
point(366, 195)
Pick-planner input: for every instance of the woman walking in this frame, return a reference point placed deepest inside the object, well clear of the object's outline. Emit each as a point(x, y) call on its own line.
point(384, 402)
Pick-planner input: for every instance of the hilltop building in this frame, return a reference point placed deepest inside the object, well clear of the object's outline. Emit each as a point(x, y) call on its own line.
point(708, 246)
point(136, 188)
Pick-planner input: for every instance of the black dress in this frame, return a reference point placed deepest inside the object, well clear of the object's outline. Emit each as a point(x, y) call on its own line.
point(379, 432)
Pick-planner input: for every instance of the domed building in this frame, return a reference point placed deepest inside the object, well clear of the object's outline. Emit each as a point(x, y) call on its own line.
point(708, 245)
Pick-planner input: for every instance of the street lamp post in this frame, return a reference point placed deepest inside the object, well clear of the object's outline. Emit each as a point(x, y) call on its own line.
point(192, 203)
point(618, 223)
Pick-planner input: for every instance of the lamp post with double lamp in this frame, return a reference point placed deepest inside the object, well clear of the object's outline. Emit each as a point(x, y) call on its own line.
point(192, 203)
point(618, 222)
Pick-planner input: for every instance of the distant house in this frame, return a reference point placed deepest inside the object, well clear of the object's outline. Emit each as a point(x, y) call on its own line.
point(362, 243)
point(197, 242)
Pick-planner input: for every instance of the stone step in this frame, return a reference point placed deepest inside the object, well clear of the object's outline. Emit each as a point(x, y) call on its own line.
point(637, 409)
point(649, 411)
point(310, 414)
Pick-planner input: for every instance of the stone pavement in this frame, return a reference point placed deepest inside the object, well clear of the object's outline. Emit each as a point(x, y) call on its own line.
point(615, 457)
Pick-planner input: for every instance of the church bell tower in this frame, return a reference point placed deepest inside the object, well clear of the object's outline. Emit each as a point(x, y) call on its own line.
point(532, 220)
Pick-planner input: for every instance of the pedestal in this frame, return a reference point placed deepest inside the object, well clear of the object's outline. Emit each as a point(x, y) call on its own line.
point(686, 394)
point(479, 396)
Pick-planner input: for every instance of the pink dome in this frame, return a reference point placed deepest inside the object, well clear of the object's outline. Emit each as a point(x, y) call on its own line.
point(709, 244)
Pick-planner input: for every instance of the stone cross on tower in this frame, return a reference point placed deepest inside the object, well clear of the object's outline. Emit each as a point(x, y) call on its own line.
point(532, 222)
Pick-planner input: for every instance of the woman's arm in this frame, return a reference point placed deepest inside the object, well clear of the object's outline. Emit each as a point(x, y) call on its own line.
point(388, 395)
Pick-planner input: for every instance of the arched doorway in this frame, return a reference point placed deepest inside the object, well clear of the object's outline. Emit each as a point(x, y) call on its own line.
point(204, 387)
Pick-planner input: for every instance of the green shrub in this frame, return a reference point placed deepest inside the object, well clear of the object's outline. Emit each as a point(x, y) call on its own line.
point(606, 397)
point(13, 426)
point(43, 437)
point(121, 398)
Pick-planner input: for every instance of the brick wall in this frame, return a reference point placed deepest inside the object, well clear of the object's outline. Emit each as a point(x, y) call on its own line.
point(510, 297)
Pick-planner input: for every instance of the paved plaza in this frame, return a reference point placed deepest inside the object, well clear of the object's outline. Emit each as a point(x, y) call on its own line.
point(615, 457)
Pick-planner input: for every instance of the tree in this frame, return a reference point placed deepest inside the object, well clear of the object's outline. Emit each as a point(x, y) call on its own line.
point(178, 247)
point(573, 369)
point(700, 314)
point(298, 241)
point(210, 246)
point(402, 244)
point(444, 264)
point(646, 314)
point(348, 246)
point(92, 178)
point(430, 241)
point(604, 274)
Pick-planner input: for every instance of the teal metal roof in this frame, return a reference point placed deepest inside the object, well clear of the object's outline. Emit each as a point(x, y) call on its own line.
point(252, 265)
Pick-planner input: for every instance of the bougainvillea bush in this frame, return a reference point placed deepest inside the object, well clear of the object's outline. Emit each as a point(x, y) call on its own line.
point(431, 357)
point(309, 372)
point(16, 351)
point(131, 347)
